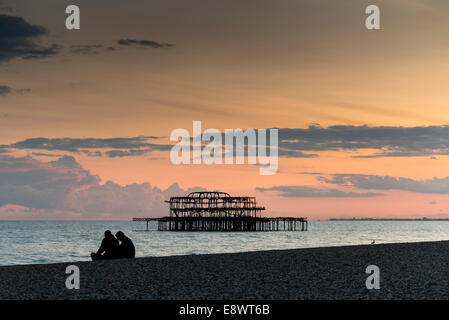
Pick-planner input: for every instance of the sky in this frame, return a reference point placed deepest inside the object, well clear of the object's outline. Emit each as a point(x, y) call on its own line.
point(86, 115)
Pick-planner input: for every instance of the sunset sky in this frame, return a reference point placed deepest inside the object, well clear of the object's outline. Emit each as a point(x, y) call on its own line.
point(86, 115)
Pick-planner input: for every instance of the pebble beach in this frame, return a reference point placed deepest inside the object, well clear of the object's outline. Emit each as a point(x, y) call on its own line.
point(407, 271)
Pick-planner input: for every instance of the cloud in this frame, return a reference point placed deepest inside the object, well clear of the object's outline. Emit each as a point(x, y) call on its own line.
point(63, 188)
point(93, 49)
point(310, 173)
point(121, 147)
point(32, 183)
point(23, 91)
point(90, 49)
point(42, 154)
point(312, 192)
point(376, 182)
point(376, 142)
point(144, 43)
point(17, 40)
point(87, 49)
point(127, 153)
point(133, 200)
point(282, 152)
point(5, 90)
point(293, 143)
point(90, 153)
point(389, 141)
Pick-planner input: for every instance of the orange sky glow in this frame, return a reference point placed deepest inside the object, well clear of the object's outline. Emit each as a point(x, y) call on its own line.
point(278, 64)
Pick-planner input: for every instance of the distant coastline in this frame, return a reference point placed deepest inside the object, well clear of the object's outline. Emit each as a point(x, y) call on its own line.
point(388, 219)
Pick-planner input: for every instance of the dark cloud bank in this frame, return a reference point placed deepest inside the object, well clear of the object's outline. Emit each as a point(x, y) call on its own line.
point(293, 143)
point(389, 141)
point(376, 182)
point(18, 39)
point(122, 147)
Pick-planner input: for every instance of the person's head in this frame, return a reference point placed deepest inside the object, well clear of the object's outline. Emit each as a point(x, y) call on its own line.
point(107, 234)
point(120, 235)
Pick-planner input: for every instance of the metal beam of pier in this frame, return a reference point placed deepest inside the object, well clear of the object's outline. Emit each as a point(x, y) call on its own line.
point(227, 223)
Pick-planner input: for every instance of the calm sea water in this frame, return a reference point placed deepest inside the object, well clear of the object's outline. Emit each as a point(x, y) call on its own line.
point(27, 242)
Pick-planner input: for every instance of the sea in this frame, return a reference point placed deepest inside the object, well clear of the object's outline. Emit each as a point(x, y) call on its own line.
point(41, 242)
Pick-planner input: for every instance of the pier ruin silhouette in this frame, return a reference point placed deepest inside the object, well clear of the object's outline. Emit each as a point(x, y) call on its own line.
point(219, 211)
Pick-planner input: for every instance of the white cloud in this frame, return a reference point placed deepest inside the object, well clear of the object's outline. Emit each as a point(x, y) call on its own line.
point(62, 189)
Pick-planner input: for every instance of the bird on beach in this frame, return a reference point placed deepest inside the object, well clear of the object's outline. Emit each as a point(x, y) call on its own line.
point(373, 242)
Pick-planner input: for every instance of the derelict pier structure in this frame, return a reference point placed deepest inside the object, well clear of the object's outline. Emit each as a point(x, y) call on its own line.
point(219, 211)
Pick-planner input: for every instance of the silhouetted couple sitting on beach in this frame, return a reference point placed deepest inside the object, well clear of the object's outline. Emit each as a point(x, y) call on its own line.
point(111, 248)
